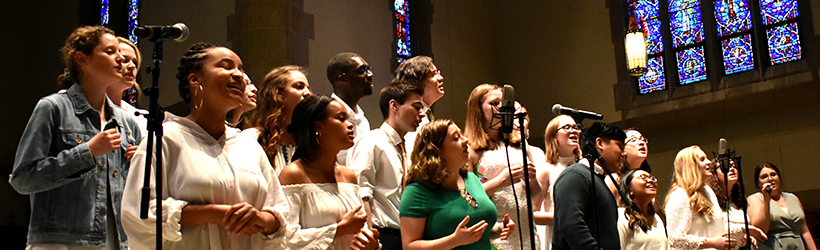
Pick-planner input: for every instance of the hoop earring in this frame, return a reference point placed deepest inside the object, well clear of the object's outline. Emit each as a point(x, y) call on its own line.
point(317, 138)
point(200, 100)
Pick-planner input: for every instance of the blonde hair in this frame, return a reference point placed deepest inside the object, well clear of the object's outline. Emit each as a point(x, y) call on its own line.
point(474, 130)
point(136, 50)
point(689, 177)
point(551, 141)
point(428, 166)
point(268, 117)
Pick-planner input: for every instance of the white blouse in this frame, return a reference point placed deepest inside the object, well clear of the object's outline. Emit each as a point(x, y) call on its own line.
point(282, 158)
point(634, 239)
point(688, 230)
point(198, 169)
point(315, 210)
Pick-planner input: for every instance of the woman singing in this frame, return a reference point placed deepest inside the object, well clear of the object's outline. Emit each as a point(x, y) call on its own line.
point(638, 224)
point(778, 213)
point(71, 158)
point(325, 206)
point(444, 206)
point(219, 191)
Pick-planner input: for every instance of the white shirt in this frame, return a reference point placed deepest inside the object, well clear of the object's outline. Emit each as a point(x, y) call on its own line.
point(548, 204)
point(282, 158)
point(635, 239)
point(410, 137)
point(315, 210)
point(142, 121)
point(199, 169)
point(360, 126)
point(687, 229)
point(377, 162)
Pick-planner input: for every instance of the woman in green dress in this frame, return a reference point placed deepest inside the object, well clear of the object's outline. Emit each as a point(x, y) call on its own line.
point(778, 213)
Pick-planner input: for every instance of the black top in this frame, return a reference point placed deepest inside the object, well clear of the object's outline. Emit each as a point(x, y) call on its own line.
point(575, 225)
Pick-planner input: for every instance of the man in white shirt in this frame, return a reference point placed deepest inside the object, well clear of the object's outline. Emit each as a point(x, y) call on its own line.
point(378, 159)
point(352, 79)
point(421, 71)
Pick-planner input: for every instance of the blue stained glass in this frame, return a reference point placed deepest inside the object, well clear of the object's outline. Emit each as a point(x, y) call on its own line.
point(732, 16)
point(401, 60)
point(653, 34)
point(784, 43)
point(691, 65)
point(774, 11)
point(104, 12)
point(646, 9)
point(737, 54)
point(685, 22)
point(133, 14)
point(653, 80)
point(402, 29)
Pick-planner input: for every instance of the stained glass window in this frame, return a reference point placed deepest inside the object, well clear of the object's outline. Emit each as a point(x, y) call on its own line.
point(784, 43)
point(646, 13)
point(133, 14)
point(691, 65)
point(402, 30)
point(732, 16)
point(737, 54)
point(653, 80)
point(685, 22)
point(775, 11)
point(104, 12)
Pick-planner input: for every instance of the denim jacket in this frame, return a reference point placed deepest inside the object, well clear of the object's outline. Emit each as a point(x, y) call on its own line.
point(67, 186)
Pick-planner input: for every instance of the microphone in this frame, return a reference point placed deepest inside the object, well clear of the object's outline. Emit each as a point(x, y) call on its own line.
point(561, 110)
point(769, 189)
point(178, 32)
point(723, 155)
point(507, 110)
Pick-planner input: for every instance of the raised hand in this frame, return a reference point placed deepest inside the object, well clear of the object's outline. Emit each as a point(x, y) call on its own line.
point(507, 228)
point(467, 235)
point(104, 142)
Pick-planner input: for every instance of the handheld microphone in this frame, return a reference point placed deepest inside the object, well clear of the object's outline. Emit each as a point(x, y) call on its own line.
point(561, 110)
point(179, 32)
point(769, 189)
point(507, 110)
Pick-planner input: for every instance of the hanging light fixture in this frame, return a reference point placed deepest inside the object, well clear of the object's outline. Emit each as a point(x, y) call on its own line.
point(635, 45)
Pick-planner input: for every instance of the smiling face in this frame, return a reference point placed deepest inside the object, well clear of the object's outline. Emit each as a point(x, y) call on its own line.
point(567, 136)
point(104, 64)
point(454, 149)
point(249, 100)
point(643, 186)
point(703, 163)
point(336, 131)
point(222, 80)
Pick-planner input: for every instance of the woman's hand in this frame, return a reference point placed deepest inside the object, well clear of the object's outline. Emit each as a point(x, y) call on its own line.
point(467, 235)
point(129, 153)
point(719, 242)
point(243, 218)
point(757, 233)
point(507, 227)
point(366, 240)
point(351, 223)
point(104, 142)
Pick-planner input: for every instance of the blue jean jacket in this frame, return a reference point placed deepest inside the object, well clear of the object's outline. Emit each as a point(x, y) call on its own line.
point(67, 186)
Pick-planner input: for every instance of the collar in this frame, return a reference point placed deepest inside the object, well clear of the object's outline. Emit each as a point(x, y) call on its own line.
point(392, 135)
point(424, 106)
point(354, 117)
point(75, 94)
point(598, 169)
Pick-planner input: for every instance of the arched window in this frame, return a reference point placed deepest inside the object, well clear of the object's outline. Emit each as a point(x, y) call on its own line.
point(402, 14)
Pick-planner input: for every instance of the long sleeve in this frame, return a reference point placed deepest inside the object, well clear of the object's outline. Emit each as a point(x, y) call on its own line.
point(679, 218)
point(360, 159)
point(36, 167)
point(571, 199)
point(275, 203)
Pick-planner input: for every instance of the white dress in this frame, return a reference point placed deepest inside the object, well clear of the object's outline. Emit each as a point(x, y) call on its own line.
point(282, 158)
point(198, 169)
point(688, 230)
point(635, 239)
point(545, 232)
point(315, 209)
point(492, 163)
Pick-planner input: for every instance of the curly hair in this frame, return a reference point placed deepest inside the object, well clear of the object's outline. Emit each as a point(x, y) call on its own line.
point(688, 176)
point(428, 166)
point(310, 110)
point(719, 187)
point(474, 130)
point(633, 212)
point(551, 141)
point(269, 116)
point(191, 62)
point(83, 39)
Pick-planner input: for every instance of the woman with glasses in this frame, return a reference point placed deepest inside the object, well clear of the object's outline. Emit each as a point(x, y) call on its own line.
point(636, 150)
point(693, 220)
point(325, 206)
point(638, 224)
point(443, 204)
point(491, 156)
point(248, 103)
point(778, 213)
point(280, 91)
point(561, 138)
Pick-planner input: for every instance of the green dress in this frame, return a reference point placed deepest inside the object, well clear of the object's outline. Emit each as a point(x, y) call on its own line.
point(445, 208)
point(784, 232)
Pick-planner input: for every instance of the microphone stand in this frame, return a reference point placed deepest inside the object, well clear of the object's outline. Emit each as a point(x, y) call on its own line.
point(726, 160)
point(155, 117)
point(591, 157)
point(525, 165)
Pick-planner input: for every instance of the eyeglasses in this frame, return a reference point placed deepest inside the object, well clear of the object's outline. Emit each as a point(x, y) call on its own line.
point(636, 140)
point(569, 128)
point(648, 178)
point(361, 71)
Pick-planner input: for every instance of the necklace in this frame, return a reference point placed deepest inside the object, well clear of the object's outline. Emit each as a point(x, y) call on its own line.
point(468, 197)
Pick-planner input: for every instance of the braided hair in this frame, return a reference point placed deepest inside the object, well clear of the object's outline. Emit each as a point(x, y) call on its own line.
point(191, 62)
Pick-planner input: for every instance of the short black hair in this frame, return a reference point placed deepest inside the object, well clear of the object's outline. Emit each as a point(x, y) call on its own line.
point(604, 131)
point(397, 90)
point(310, 110)
point(339, 64)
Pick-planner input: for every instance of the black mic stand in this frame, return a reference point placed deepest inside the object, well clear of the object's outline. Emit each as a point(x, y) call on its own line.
point(155, 117)
point(525, 165)
point(591, 157)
